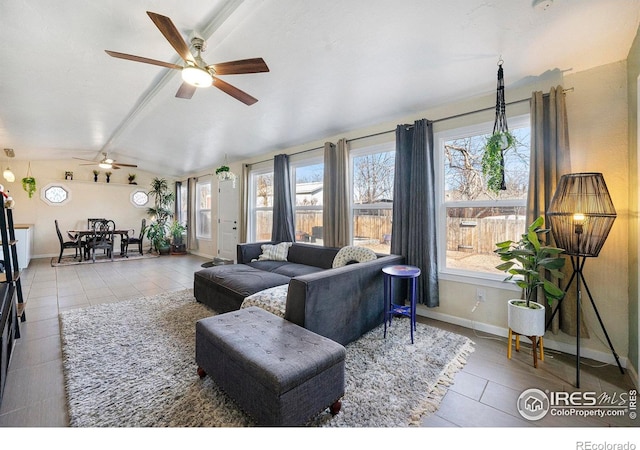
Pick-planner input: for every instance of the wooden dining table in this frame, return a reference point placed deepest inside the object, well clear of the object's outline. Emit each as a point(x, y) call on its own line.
point(79, 234)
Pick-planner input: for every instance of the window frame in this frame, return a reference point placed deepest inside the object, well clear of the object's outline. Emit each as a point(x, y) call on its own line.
point(294, 165)
point(384, 147)
point(255, 172)
point(64, 187)
point(134, 193)
point(464, 275)
point(199, 210)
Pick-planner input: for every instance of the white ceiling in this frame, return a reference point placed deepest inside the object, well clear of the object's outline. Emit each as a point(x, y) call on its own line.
point(335, 65)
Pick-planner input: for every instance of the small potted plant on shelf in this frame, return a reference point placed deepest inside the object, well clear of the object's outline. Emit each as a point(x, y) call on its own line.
point(132, 178)
point(95, 175)
point(108, 174)
point(526, 262)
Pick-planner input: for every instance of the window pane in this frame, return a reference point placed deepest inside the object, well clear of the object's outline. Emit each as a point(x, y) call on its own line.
point(372, 229)
point(373, 178)
point(56, 194)
point(204, 223)
point(263, 225)
point(464, 180)
point(264, 190)
point(203, 210)
point(473, 232)
point(308, 206)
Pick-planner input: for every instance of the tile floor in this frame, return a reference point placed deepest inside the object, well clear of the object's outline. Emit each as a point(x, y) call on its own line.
point(484, 393)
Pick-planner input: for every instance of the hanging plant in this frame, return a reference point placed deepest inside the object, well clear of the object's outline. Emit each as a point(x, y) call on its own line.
point(222, 169)
point(493, 160)
point(498, 143)
point(29, 183)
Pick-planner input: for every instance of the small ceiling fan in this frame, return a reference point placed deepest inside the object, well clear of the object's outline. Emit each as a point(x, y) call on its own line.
point(196, 72)
point(105, 163)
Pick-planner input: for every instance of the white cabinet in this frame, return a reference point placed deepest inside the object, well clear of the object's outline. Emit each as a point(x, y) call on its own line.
point(24, 236)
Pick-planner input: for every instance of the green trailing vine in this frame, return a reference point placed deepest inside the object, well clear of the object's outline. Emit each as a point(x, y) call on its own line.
point(29, 185)
point(222, 169)
point(493, 160)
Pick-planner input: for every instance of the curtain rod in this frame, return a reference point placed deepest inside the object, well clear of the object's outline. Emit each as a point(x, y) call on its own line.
point(442, 119)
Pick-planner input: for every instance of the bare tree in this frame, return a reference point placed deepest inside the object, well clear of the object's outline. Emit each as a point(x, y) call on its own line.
point(373, 178)
point(463, 168)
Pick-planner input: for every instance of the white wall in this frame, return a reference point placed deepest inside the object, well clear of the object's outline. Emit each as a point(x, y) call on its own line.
point(88, 199)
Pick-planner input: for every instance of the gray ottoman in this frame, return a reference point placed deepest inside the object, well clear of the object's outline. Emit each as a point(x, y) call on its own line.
point(280, 374)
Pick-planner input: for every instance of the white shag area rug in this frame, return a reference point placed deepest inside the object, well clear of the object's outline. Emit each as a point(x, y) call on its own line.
point(132, 364)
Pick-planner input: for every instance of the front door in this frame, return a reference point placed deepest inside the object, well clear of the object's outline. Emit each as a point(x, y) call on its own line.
point(227, 219)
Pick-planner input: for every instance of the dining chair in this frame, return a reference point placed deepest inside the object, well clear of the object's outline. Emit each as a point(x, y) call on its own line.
point(126, 241)
point(102, 238)
point(91, 222)
point(72, 243)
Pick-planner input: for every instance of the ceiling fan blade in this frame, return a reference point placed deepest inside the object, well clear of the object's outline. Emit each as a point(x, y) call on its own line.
point(118, 165)
point(186, 90)
point(171, 34)
point(234, 92)
point(142, 59)
point(82, 159)
point(253, 65)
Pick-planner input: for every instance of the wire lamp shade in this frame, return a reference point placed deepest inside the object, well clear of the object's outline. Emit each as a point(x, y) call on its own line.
point(581, 214)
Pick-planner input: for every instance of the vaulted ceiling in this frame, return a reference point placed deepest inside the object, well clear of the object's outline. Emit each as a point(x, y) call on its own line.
point(335, 65)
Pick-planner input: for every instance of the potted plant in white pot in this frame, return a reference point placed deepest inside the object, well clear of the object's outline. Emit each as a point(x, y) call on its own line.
point(526, 262)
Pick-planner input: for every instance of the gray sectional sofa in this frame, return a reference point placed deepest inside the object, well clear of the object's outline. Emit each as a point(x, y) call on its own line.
point(339, 303)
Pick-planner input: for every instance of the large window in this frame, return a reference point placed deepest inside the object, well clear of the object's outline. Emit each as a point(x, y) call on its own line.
point(308, 177)
point(203, 209)
point(372, 174)
point(472, 218)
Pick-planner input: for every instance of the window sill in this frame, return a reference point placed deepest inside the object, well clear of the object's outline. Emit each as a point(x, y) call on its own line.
point(477, 279)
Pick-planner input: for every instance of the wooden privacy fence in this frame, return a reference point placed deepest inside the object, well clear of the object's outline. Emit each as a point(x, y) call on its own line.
point(365, 226)
point(481, 235)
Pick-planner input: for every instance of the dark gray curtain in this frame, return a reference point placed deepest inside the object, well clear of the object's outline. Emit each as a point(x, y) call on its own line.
point(414, 206)
point(283, 215)
point(550, 159)
point(335, 214)
point(192, 241)
point(244, 192)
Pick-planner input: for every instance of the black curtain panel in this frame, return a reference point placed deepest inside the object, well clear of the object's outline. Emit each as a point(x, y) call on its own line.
point(414, 206)
point(283, 215)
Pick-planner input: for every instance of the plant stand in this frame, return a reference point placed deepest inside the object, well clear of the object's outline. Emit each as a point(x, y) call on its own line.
point(537, 342)
point(178, 249)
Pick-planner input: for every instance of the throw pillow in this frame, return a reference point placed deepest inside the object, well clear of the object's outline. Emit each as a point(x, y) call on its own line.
point(353, 253)
point(277, 252)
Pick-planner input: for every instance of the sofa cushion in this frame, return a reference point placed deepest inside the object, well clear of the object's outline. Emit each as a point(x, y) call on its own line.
point(312, 255)
point(353, 253)
point(241, 279)
point(277, 252)
point(295, 270)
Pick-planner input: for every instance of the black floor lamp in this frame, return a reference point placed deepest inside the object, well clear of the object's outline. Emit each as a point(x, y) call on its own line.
point(581, 215)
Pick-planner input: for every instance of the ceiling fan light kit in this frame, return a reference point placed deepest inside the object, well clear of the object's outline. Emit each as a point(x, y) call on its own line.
point(196, 76)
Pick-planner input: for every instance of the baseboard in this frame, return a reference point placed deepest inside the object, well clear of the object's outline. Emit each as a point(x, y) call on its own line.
point(549, 343)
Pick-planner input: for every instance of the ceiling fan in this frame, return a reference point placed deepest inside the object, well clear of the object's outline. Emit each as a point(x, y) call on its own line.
point(106, 163)
point(196, 72)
